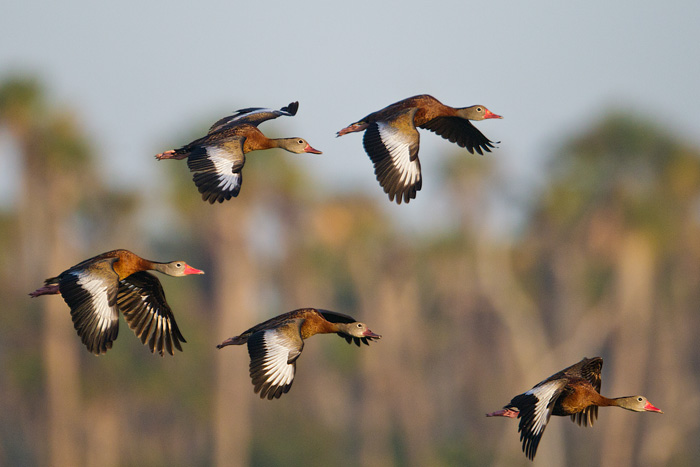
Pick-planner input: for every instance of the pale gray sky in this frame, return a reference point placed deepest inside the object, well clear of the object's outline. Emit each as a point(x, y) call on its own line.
point(141, 73)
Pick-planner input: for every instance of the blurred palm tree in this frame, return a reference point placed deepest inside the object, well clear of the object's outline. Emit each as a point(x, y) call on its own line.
point(55, 161)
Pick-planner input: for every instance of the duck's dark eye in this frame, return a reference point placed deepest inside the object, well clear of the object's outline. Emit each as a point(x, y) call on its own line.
point(479, 109)
point(301, 141)
point(178, 265)
point(640, 399)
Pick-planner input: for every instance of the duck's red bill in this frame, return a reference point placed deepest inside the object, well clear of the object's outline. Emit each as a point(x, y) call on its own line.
point(651, 408)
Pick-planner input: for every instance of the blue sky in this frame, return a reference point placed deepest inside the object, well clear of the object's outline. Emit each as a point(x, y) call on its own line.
point(140, 74)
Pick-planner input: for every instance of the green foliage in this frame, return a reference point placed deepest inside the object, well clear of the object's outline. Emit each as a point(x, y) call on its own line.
point(21, 101)
point(53, 136)
point(628, 166)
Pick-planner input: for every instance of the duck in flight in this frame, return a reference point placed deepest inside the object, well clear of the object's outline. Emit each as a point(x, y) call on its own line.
point(97, 289)
point(217, 159)
point(275, 345)
point(575, 392)
point(391, 139)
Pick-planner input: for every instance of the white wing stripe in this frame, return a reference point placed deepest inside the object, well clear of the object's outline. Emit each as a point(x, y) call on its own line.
point(278, 372)
point(223, 167)
point(398, 147)
point(97, 288)
point(543, 407)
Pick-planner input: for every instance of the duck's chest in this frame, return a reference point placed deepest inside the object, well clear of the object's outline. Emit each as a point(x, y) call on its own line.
point(573, 399)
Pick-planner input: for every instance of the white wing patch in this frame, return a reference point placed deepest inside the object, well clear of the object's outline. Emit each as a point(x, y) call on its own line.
point(223, 166)
point(398, 144)
point(97, 288)
point(543, 408)
point(277, 349)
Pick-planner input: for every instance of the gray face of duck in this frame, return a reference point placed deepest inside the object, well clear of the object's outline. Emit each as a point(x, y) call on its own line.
point(358, 332)
point(636, 404)
point(177, 268)
point(476, 112)
point(296, 145)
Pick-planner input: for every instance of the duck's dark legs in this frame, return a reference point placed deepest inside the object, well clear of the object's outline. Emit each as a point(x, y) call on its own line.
point(353, 128)
point(45, 290)
point(172, 154)
point(504, 413)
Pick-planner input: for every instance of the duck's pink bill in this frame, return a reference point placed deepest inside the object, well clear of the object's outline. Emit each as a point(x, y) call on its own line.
point(190, 270)
point(311, 150)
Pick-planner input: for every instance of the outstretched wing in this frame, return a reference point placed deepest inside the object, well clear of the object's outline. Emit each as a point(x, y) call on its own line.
point(460, 131)
point(590, 369)
point(535, 408)
point(253, 116)
point(90, 290)
point(217, 168)
point(273, 354)
point(142, 301)
point(393, 148)
point(349, 339)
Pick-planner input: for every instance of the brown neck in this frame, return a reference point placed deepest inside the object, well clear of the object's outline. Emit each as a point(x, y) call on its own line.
point(256, 141)
point(602, 401)
point(317, 326)
point(130, 263)
point(427, 113)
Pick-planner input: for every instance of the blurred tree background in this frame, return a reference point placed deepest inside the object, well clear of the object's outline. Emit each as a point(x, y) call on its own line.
point(605, 261)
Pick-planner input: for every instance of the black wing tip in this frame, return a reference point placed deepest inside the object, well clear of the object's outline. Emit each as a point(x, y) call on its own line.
point(402, 196)
point(291, 109)
point(358, 340)
point(266, 389)
point(208, 185)
point(213, 198)
point(166, 344)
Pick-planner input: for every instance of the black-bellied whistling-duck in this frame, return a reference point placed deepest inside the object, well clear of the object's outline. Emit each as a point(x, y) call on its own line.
point(217, 159)
point(391, 139)
point(98, 288)
point(275, 345)
point(574, 391)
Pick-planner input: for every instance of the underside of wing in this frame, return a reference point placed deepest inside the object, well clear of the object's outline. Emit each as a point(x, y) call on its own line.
point(142, 302)
point(217, 170)
point(273, 354)
point(590, 370)
point(91, 292)
point(460, 131)
point(394, 152)
point(535, 408)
